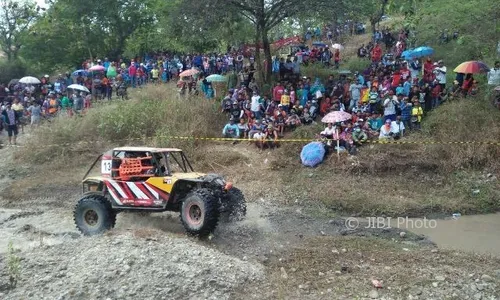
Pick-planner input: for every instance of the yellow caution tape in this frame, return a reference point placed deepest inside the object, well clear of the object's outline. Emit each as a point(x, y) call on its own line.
point(188, 138)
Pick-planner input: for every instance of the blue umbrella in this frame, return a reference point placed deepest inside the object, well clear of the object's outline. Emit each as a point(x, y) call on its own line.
point(80, 73)
point(422, 51)
point(319, 44)
point(407, 54)
point(312, 154)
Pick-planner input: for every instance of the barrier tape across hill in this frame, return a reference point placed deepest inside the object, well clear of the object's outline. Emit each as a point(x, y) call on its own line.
point(188, 138)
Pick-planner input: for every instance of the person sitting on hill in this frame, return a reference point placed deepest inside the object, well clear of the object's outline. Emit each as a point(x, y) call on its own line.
point(231, 130)
point(386, 131)
point(359, 136)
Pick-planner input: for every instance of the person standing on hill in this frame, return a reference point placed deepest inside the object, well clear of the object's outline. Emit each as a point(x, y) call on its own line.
point(376, 53)
point(494, 76)
point(440, 72)
point(10, 120)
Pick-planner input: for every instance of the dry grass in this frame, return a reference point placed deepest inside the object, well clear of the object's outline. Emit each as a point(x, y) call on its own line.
point(349, 274)
point(153, 115)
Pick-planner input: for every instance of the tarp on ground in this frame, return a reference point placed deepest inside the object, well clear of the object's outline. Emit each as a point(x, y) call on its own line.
point(312, 154)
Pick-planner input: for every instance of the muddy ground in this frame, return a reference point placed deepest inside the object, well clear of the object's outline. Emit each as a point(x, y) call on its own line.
point(276, 253)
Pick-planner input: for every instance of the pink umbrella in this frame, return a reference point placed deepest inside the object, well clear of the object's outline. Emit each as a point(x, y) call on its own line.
point(97, 69)
point(336, 117)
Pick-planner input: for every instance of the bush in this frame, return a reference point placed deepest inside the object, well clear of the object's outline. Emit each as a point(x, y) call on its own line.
point(12, 70)
point(149, 120)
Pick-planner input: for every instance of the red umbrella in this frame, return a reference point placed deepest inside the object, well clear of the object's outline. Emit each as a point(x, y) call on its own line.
point(472, 67)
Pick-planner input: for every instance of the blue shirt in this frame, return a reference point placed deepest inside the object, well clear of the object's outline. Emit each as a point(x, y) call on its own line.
point(406, 87)
point(231, 129)
point(361, 79)
point(405, 111)
point(400, 90)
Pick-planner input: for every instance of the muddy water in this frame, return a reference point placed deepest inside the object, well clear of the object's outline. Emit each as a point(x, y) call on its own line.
point(478, 233)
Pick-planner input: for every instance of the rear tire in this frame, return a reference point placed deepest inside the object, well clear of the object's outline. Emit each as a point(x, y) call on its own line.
point(93, 215)
point(200, 213)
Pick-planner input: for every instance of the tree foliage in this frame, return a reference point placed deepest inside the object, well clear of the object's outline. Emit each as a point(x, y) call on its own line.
point(15, 19)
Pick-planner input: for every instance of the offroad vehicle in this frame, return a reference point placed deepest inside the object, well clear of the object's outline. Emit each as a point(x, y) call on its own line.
point(144, 180)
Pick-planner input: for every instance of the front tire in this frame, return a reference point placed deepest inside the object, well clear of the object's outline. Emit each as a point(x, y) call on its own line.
point(93, 215)
point(200, 213)
point(235, 207)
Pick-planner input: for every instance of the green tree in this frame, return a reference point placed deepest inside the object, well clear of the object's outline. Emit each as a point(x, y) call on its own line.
point(73, 30)
point(263, 15)
point(15, 19)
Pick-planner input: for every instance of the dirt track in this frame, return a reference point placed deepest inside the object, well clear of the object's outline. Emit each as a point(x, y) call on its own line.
point(150, 257)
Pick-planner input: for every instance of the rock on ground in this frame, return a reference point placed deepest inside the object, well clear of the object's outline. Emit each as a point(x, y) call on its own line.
point(126, 267)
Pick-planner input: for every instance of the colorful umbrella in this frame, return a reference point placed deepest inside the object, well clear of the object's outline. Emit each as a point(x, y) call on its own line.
point(216, 78)
point(336, 117)
point(29, 80)
point(97, 68)
point(422, 52)
point(472, 67)
point(189, 72)
point(337, 46)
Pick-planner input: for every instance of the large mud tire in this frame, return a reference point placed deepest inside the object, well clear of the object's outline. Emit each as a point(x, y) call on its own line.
point(235, 207)
point(200, 213)
point(93, 215)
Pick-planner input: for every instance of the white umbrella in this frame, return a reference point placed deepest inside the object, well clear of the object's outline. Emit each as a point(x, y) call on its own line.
point(78, 87)
point(338, 46)
point(29, 80)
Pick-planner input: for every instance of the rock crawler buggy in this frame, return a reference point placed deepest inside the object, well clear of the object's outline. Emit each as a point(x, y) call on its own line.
point(141, 179)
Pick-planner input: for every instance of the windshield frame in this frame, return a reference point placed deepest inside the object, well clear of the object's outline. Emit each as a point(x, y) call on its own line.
point(178, 158)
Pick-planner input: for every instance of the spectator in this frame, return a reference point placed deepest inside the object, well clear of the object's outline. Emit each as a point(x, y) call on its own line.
point(231, 130)
point(10, 120)
point(359, 136)
point(390, 104)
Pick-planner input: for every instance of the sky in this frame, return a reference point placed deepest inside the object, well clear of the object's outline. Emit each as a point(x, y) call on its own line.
point(41, 3)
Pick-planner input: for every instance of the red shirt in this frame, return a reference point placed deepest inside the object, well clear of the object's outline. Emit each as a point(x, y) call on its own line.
point(396, 80)
point(277, 92)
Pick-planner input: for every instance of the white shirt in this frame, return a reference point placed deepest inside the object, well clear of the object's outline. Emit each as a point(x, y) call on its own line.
point(494, 77)
point(397, 128)
point(328, 131)
point(384, 132)
point(318, 94)
point(390, 109)
point(441, 74)
point(255, 106)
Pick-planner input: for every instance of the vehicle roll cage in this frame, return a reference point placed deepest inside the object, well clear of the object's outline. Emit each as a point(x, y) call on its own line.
point(181, 161)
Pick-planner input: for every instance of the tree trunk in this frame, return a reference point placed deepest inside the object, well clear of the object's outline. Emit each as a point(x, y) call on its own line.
point(267, 54)
point(373, 23)
point(258, 61)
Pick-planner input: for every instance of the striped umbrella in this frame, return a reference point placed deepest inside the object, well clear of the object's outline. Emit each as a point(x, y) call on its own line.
point(472, 67)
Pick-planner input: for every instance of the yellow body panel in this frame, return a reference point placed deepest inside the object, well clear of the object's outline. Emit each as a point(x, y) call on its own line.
point(166, 183)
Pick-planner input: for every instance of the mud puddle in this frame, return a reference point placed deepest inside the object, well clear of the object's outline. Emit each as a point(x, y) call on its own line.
point(474, 233)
